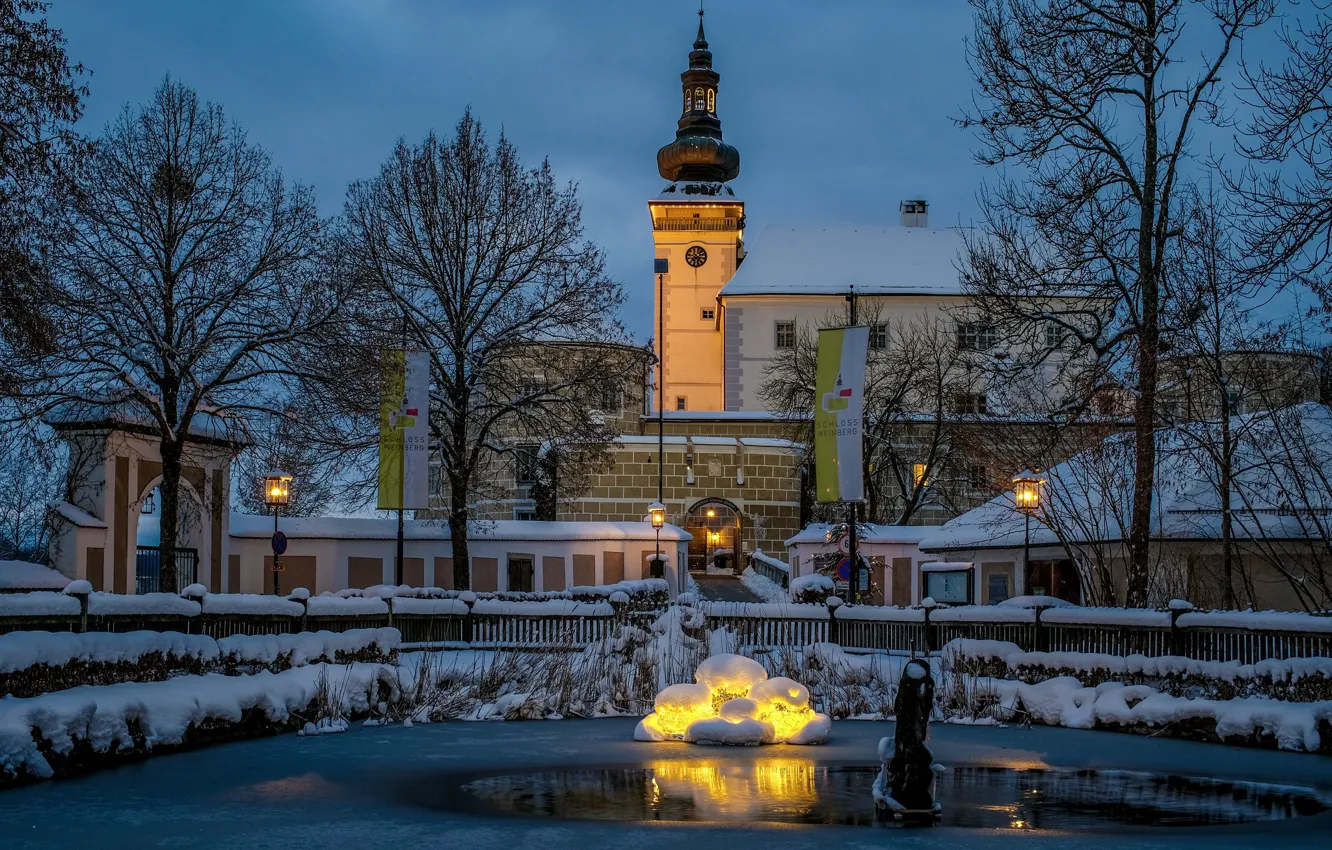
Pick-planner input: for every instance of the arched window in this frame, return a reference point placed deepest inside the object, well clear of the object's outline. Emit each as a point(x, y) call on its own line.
point(699, 103)
point(712, 100)
point(688, 100)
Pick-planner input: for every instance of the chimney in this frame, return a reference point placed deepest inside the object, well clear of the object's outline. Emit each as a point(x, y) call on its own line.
point(915, 213)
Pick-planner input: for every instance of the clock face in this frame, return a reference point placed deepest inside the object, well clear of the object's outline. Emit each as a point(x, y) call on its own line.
point(696, 256)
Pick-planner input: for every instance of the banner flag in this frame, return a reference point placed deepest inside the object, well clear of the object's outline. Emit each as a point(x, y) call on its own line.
point(404, 430)
point(839, 399)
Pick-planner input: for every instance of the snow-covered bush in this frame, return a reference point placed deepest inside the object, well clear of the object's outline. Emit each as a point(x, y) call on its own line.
point(813, 588)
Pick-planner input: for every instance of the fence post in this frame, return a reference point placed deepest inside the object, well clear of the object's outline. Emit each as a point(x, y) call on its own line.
point(1042, 639)
point(390, 607)
point(189, 623)
point(834, 633)
point(927, 605)
point(1178, 607)
point(469, 599)
point(83, 611)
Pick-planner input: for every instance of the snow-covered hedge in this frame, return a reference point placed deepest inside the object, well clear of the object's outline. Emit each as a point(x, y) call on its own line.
point(813, 588)
point(1292, 679)
point(33, 663)
point(82, 729)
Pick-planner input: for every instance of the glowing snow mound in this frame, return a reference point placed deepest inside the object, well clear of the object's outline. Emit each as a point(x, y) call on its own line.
point(735, 703)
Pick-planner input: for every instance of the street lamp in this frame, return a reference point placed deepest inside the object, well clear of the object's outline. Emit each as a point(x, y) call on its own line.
point(277, 492)
point(1027, 497)
point(657, 513)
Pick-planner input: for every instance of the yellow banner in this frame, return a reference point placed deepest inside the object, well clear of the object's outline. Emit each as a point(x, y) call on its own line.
point(839, 388)
point(392, 392)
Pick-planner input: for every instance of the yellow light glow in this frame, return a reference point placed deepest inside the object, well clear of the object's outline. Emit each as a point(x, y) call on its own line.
point(1027, 491)
point(711, 513)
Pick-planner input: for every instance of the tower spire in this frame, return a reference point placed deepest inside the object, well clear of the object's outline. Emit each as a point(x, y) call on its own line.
point(698, 152)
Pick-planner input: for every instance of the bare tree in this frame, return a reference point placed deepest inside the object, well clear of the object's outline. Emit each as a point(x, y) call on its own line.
point(190, 268)
point(40, 99)
point(30, 479)
point(1095, 102)
point(911, 384)
point(1289, 222)
point(278, 441)
point(482, 261)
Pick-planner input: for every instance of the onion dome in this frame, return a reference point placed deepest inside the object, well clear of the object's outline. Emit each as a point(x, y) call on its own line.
point(698, 152)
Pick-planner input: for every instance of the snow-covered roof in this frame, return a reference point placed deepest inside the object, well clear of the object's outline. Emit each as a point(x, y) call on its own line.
point(367, 528)
point(77, 515)
point(831, 260)
point(1280, 493)
point(131, 415)
point(817, 533)
point(21, 575)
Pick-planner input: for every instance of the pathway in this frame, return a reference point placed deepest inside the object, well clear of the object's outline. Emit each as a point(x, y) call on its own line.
point(723, 588)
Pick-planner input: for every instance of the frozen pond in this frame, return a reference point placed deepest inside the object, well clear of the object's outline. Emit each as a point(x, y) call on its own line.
point(399, 788)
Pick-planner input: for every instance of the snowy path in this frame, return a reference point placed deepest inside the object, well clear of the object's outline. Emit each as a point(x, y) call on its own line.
point(724, 589)
point(346, 791)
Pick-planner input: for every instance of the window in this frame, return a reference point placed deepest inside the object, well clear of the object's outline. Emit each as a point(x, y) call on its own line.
point(996, 588)
point(976, 336)
point(531, 386)
point(970, 403)
point(712, 100)
point(785, 334)
point(1234, 402)
point(698, 100)
point(978, 477)
point(679, 402)
point(1054, 334)
point(610, 400)
point(525, 461)
point(878, 337)
point(525, 514)
point(709, 315)
point(918, 478)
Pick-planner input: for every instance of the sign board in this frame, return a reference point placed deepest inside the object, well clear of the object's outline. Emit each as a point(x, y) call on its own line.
point(839, 389)
point(404, 430)
point(279, 543)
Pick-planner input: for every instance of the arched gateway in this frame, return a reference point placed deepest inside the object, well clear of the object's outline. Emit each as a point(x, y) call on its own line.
point(114, 468)
point(718, 529)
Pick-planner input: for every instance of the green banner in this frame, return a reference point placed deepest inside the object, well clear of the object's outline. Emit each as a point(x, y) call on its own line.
point(392, 391)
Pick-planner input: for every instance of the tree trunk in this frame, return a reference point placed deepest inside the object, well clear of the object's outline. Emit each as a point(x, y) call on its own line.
point(170, 524)
point(462, 566)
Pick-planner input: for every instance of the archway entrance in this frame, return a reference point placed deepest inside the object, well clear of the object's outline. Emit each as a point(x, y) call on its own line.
point(716, 526)
point(148, 538)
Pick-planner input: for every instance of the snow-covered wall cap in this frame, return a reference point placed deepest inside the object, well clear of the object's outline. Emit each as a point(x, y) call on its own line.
point(1180, 605)
point(78, 516)
point(619, 597)
point(78, 587)
point(946, 566)
point(380, 591)
point(928, 602)
point(816, 533)
point(260, 527)
point(835, 602)
point(22, 575)
point(299, 593)
point(786, 260)
point(195, 589)
point(467, 596)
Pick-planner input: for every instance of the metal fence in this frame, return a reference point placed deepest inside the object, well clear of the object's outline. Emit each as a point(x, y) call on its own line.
point(1201, 636)
point(148, 569)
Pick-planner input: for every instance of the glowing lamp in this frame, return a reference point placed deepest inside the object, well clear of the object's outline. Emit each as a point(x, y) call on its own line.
point(711, 513)
point(657, 513)
point(277, 489)
point(1027, 490)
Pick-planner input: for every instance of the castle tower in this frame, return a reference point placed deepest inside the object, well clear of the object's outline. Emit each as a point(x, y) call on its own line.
point(698, 226)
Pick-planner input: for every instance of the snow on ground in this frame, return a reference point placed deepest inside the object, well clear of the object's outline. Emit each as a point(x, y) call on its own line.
point(763, 587)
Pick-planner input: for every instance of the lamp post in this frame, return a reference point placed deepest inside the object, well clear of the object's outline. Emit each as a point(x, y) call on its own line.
point(1027, 497)
point(277, 492)
point(657, 513)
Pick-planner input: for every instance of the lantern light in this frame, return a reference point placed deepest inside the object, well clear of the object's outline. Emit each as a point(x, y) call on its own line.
point(277, 489)
point(1027, 490)
point(657, 513)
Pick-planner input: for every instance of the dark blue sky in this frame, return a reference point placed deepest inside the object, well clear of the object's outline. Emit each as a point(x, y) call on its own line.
point(840, 108)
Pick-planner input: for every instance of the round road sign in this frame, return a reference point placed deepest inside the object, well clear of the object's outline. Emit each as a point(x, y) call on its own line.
point(279, 543)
